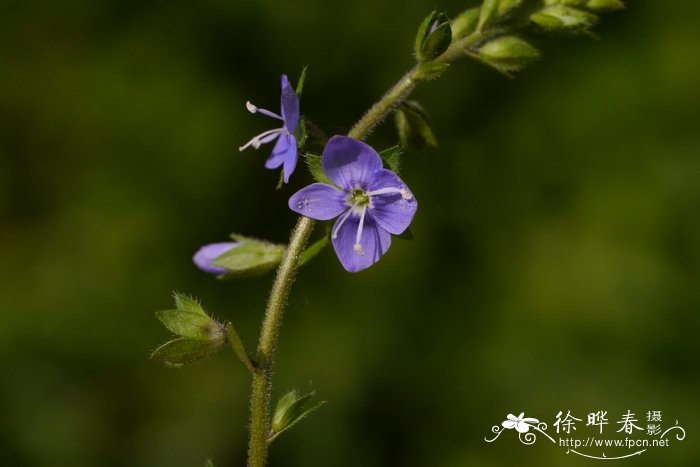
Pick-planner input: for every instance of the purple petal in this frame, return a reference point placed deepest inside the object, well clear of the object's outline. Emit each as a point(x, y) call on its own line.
point(208, 253)
point(392, 211)
point(375, 242)
point(319, 201)
point(290, 105)
point(350, 163)
point(284, 152)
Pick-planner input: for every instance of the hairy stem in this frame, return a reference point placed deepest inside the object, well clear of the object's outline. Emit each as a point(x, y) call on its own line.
point(262, 377)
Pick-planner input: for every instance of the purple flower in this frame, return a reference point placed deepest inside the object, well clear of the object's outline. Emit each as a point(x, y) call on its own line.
point(206, 255)
point(372, 202)
point(285, 150)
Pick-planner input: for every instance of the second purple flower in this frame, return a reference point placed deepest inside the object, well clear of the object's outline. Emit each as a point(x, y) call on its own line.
point(371, 202)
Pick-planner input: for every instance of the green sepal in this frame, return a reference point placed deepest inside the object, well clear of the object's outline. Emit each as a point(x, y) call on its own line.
point(563, 18)
point(290, 410)
point(239, 348)
point(313, 250)
point(434, 36)
point(413, 126)
point(252, 257)
point(189, 320)
point(315, 165)
point(431, 70)
point(465, 23)
point(488, 11)
point(392, 157)
point(505, 7)
point(508, 53)
point(181, 351)
point(302, 80)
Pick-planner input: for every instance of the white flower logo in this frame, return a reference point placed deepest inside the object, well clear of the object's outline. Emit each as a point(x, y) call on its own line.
point(522, 425)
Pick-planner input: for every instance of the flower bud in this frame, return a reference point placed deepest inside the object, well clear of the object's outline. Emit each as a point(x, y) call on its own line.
point(433, 38)
point(601, 6)
point(508, 53)
point(465, 24)
point(249, 257)
point(560, 18)
point(290, 409)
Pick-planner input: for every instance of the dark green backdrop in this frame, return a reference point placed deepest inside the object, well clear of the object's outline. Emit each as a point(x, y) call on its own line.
point(555, 266)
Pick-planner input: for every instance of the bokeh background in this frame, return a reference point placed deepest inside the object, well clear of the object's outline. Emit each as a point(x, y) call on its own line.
point(555, 265)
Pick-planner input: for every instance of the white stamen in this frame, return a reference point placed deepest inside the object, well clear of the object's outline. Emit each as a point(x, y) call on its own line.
point(405, 194)
point(254, 109)
point(358, 246)
point(262, 138)
point(340, 223)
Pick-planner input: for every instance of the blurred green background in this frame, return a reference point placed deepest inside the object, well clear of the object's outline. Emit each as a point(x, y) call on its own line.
point(555, 266)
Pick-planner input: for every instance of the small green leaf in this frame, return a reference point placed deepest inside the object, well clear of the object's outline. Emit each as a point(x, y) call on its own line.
point(315, 165)
point(507, 6)
point(251, 257)
point(313, 250)
point(239, 348)
point(302, 80)
point(186, 303)
point(179, 352)
point(488, 11)
point(392, 158)
point(290, 410)
point(431, 70)
point(465, 23)
point(508, 53)
point(413, 126)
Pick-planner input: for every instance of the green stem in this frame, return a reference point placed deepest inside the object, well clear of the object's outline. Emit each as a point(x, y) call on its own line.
point(262, 376)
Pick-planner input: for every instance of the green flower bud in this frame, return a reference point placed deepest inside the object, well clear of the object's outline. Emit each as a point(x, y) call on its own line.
point(493, 9)
point(433, 38)
point(290, 409)
point(465, 24)
point(601, 6)
point(559, 18)
point(508, 53)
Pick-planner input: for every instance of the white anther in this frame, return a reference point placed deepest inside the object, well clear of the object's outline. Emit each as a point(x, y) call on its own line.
point(251, 108)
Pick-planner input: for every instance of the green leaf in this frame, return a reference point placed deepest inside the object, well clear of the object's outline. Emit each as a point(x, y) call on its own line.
point(315, 166)
point(290, 410)
point(239, 348)
point(488, 11)
point(392, 158)
point(251, 257)
point(507, 6)
point(313, 250)
point(413, 126)
point(181, 351)
point(302, 80)
point(602, 6)
point(508, 53)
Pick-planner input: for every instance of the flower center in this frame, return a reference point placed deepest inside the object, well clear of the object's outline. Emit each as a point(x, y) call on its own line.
point(358, 198)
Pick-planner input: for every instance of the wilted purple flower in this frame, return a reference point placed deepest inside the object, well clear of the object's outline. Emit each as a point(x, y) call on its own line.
point(285, 150)
point(206, 255)
point(372, 202)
